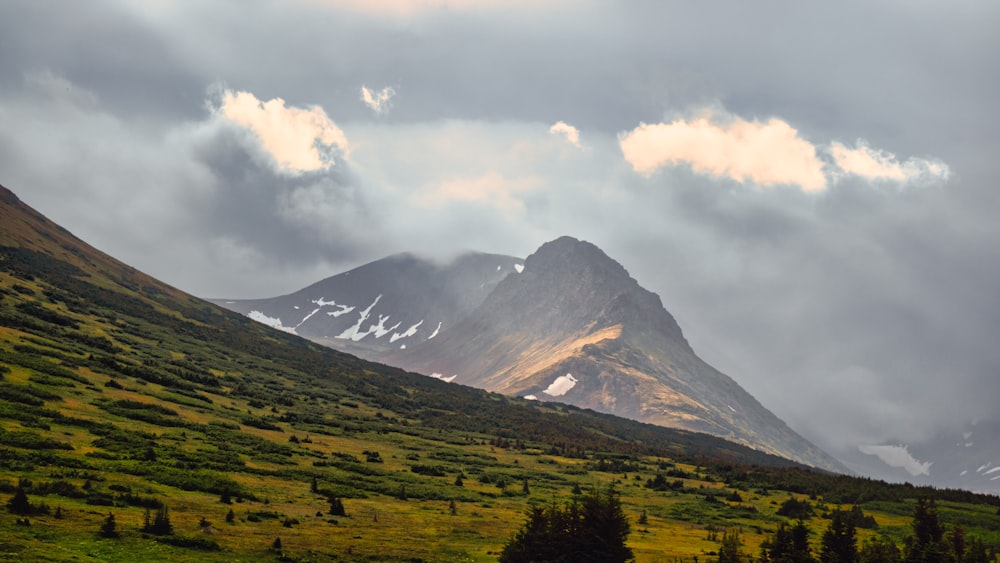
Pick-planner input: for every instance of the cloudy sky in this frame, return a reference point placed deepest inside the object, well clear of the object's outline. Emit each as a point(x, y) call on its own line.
point(811, 188)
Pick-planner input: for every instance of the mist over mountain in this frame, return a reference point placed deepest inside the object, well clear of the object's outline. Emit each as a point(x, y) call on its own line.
point(390, 303)
point(567, 324)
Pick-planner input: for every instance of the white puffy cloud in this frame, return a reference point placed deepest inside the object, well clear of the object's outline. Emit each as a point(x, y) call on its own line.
point(379, 101)
point(299, 140)
point(572, 133)
point(766, 153)
point(875, 164)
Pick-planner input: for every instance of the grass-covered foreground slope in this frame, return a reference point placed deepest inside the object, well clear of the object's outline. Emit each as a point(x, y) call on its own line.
point(120, 395)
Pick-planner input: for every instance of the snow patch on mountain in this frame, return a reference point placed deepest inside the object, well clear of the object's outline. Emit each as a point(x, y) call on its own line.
point(519, 268)
point(898, 456)
point(343, 310)
point(352, 332)
point(409, 332)
point(273, 322)
point(436, 331)
point(322, 302)
point(561, 385)
point(390, 329)
point(306, 318)
point(530, 397)
point(379, 327)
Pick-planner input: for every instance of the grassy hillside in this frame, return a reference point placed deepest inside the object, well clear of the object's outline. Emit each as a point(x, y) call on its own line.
point(120, 395)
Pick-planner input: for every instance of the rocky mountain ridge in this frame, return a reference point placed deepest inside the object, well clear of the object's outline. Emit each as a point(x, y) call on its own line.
point(566, 324)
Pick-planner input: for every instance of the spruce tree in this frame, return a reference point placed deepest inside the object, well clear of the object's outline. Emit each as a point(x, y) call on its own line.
point(839, 543)
point(160, 525)
point(337, 507)
point(108, 528)
point(729, 551)
point(800, 544)
point(593, 529)
point(880, 550)
point(926, 545)
point(19, 504)
point(788, 545)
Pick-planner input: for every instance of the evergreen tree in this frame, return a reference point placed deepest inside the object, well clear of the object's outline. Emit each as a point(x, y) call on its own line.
point(879, 550)
point(788, 545)
point(230, 516)
point(337, 507)
point(604, 526)
point(533, 541)
point(108, 528)
point(777, 546)
point(956, 543)
point(976, 552)
point(592, 530)
point(160, 525)
point(19, 504)
point(729, 551)
point(839, 543)
point(926, 545)
point(800, 544)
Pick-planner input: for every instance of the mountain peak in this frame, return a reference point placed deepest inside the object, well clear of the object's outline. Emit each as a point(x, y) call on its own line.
point(567, 324)
point(577, 276)
point(569, 252)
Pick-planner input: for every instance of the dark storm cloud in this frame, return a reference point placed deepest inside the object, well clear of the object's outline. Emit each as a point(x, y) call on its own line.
point(860, 313)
